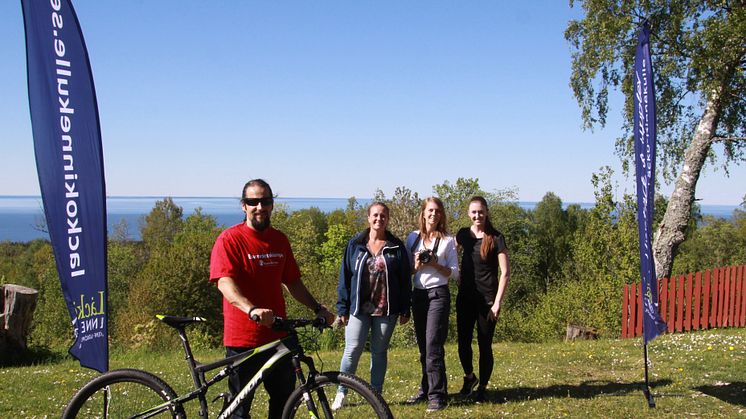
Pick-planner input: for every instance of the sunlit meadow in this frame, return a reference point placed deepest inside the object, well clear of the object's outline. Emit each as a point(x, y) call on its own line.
point(700, 374)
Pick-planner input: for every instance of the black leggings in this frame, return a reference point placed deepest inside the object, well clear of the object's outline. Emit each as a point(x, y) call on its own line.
point(470, 309)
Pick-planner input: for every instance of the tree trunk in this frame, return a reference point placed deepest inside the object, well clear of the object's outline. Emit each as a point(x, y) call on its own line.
point(670, 233)
point(18, 305)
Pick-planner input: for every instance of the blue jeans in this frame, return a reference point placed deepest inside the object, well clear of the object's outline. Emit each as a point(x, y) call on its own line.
point(356, 333)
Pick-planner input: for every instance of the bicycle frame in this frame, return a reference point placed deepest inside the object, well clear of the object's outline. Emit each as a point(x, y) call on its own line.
point(281, 352)
point(283, 348)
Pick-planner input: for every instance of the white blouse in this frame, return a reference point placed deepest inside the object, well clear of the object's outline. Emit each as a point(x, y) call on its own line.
point(428, 276)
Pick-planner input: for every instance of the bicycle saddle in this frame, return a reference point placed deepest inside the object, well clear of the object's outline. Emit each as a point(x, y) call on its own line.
point(179, 322)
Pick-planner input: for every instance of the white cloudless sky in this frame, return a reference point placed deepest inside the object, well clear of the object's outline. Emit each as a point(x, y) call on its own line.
point(329, 99)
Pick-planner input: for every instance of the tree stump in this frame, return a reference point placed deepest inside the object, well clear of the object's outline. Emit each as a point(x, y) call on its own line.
point(580, 332)
point(18, 305)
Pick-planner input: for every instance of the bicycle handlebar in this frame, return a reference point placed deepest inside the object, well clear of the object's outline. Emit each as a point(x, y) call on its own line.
point(289, 325)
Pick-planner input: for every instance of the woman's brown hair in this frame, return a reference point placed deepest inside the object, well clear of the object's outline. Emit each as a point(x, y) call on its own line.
point(490, 232)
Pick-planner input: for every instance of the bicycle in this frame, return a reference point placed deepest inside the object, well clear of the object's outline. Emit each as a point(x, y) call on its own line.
point(135, 393)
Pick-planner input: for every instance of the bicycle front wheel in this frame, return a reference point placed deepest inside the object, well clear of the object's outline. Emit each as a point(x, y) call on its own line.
point(360, 402)
point(125, 393)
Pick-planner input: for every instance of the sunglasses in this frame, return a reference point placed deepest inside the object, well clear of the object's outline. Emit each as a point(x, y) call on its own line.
point(252, 202)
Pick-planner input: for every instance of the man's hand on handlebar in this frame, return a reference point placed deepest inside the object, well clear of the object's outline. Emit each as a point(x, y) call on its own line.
point(325, 314)
point(263, 316)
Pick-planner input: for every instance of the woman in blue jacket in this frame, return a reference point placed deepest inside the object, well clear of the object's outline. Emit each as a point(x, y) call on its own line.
point(373, 292)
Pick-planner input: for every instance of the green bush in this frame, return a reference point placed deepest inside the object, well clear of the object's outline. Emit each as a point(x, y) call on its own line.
point(51, 326)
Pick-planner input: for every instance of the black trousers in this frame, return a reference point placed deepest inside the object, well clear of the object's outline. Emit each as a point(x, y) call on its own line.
point(279, 383)
point(430, 309)
point(471, 309)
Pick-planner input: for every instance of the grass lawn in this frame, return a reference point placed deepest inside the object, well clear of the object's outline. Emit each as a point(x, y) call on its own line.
point(701, 374)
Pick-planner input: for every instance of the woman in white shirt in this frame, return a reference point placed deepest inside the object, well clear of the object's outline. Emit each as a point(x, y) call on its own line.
point(434, 260)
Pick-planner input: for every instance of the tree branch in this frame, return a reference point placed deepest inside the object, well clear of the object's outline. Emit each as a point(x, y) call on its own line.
point(718, 138)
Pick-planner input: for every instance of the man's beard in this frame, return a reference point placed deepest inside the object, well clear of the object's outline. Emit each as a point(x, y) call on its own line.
point(260, 225)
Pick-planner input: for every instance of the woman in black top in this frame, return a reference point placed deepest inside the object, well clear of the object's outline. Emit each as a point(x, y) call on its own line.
point(485, 273)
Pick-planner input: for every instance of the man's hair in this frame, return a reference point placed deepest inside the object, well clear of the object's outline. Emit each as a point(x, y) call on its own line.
point(256, 182)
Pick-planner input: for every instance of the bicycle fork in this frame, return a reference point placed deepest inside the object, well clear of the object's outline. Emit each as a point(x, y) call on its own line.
point(308, 385)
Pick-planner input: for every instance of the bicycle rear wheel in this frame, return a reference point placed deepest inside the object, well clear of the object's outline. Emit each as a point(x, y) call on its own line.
point(125, 393)
point(360, 402)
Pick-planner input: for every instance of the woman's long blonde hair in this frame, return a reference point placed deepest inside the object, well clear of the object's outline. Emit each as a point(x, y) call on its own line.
point(441, 229)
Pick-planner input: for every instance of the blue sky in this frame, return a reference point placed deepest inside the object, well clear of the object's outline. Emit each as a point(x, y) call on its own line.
point(328, 99)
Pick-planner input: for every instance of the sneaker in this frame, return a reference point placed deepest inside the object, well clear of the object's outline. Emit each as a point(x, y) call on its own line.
point(339, 401)
point(470, 382)
point(417, 398)
point(435, 404)
point(481, 395)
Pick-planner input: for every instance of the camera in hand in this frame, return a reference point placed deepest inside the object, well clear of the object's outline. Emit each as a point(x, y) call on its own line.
point(425, 256)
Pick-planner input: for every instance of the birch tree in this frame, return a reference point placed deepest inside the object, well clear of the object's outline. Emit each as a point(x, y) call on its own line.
point(699, 52)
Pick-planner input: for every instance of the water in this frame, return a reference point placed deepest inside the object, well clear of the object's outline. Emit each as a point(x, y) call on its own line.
point(19, 215)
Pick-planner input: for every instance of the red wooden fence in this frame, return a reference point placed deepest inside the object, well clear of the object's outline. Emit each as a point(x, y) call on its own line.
point(705, 300)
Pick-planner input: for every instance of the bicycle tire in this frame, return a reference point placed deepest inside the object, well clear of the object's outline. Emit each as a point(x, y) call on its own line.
point(361, 400)
point(125, 393)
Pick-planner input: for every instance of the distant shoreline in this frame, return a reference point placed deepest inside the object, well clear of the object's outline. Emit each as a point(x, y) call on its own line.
point(359, 199)
point(19, 214)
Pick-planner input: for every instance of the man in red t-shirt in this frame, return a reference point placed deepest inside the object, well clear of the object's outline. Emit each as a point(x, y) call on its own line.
point(250, 263)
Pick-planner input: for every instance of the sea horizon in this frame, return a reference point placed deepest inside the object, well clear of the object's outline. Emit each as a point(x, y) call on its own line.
point(20, 215)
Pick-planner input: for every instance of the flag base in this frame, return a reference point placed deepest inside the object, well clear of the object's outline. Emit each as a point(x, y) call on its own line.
point(649, 396)
point(646, 389)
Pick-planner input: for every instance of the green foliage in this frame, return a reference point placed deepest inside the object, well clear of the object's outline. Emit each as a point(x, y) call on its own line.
point(718, 243)
point(553, 229)
point(162, 223)
point(332, 251)
point(698, 53)
point(126, 260)
point(305, 229)
point(567, 266)
point(174, 281)
point(51, 326)
point(606, 249)
point(603, 256)
point(523, 251)
point(17, 262)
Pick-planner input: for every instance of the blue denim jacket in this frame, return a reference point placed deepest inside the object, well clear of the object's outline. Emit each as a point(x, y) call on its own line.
point(398, 269)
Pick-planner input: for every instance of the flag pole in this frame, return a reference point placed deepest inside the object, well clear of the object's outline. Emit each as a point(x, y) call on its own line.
point(646, 389)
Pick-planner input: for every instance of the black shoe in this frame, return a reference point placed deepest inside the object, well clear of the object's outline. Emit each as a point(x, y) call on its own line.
point(417, 398)
point(480, 395)
point(469, 385)
point(435, 404)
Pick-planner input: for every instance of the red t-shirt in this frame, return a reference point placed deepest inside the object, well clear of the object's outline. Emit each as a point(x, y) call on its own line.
point(259, 263)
